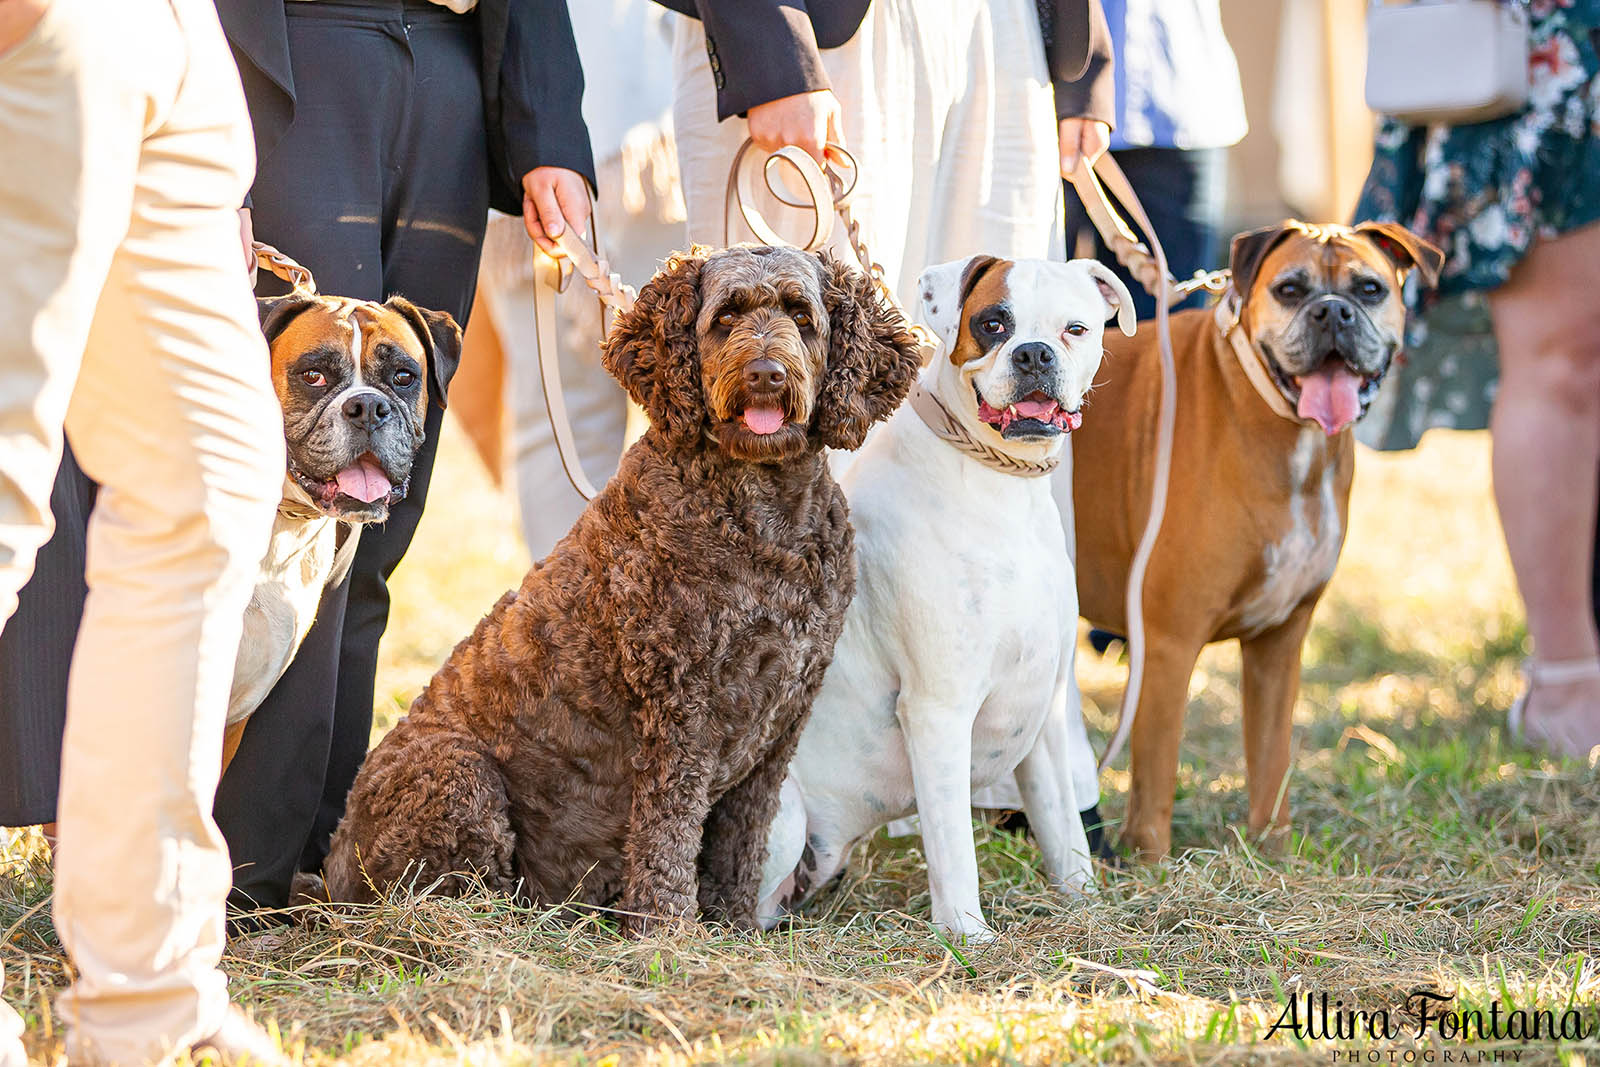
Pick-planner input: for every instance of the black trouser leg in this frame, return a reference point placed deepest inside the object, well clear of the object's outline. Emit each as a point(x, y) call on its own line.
point(36, 655)
point(431, 256)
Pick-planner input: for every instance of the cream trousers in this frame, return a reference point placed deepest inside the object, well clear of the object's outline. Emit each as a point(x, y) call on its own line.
point(949, 112)
point(126, 317)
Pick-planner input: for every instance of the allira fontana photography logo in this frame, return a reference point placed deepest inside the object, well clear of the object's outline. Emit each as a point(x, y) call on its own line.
point(1426, 1016)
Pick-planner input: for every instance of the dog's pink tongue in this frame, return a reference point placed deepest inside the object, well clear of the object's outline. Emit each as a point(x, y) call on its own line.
point(1331, 396)
point(763, 420)
point(1036, 409)
point(365, 481)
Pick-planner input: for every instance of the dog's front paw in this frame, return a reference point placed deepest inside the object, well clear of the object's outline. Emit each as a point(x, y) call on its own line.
point(307, 889)
point(967, 930)
point(658, 913)
point(639, 925)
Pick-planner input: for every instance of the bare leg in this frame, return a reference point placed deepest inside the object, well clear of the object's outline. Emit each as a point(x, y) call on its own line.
point(1546, 454)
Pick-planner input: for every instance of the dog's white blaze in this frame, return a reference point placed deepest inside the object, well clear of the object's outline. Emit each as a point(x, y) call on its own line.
point(1304, 558)
point(356, 383)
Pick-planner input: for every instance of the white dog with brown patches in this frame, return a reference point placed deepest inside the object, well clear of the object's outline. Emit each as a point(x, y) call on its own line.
point(954, 671)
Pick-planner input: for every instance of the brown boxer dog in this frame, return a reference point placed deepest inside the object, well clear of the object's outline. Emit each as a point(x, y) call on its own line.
point(1259, 490)
point(354, 379)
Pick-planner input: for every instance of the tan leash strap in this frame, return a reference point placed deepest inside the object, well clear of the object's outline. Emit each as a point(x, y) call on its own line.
point(551, 276)
point(547, 275)
point(938, 418)
point(1150, 268)
point(284, 267)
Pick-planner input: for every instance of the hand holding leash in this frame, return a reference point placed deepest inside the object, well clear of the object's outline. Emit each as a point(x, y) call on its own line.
point(827, 194)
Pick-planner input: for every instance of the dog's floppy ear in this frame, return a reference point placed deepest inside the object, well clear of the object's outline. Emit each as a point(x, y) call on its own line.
point(652, 349)
point(873, 357)
point(1118, 300)
point(276, 312)
point(1404, 249)
point(440, 337)
point(944, 289)
point(1250, 250)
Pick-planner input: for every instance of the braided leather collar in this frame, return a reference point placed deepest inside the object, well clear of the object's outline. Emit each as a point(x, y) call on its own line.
point(937, 418)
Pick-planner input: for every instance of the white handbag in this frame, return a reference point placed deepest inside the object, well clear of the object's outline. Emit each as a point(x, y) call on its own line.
point(1447, 61)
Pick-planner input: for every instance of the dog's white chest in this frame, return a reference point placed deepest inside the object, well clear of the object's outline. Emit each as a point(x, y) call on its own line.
point(299, 560)
point(1303, 559)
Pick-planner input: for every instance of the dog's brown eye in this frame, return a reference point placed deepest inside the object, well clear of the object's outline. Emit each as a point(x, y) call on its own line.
point(802, 320)
point(726, 319)
point(992, 327)
point(403, 378)
point(314, 378)
point(1077, 329)
point(1289, 292)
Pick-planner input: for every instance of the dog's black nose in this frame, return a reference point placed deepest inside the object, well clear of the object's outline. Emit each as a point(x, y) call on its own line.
point(1340, 311)
point(764, 375)
point(367, 411)
point(1033, 356)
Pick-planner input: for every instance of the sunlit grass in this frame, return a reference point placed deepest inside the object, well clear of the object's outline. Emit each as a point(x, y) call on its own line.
point(1428, 852)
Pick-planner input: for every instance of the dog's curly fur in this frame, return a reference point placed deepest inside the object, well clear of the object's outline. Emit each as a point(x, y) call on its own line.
point(615, 731)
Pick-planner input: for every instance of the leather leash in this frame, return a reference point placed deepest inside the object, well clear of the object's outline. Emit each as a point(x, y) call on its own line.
point(1149, 267)
point(284, 267)
point(551, 276)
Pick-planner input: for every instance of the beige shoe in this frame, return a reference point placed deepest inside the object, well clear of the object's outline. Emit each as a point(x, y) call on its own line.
point(1562, 739)
point(239, 1042)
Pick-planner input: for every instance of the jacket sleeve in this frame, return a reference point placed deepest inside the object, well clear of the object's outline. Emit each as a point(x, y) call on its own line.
point(541, 92)
point(760, 50)
point(1093, 94)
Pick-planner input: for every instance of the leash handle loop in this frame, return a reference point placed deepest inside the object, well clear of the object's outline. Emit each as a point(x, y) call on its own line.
point(828, 192)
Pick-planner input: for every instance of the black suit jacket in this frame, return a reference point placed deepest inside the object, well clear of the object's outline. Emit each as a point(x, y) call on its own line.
point(763, 50)
point(532, 86)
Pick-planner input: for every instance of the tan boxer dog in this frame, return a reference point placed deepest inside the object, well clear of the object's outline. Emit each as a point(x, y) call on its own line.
point(1259, 490)
point(354, 379)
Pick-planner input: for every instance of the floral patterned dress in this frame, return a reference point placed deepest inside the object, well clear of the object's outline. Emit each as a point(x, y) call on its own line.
point(1484, 193)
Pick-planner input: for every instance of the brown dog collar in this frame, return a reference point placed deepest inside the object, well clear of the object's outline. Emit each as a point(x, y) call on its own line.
point(938, 418)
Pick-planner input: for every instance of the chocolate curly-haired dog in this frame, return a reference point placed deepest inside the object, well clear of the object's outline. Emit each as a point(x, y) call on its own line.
point(615, 731)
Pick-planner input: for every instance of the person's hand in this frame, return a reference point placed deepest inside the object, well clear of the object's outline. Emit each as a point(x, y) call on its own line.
point(1081, 139)
point(549, 196)
point(807, 120)
point(247, 237)
point(17, 20)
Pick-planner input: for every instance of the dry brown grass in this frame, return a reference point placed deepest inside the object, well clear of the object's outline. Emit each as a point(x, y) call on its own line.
point(1430, 854)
